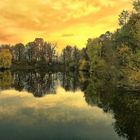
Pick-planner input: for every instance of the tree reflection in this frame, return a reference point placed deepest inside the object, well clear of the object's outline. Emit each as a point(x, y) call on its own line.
point(5, 79)
point(41, 83)
point(124, 105)
point(38, 83)
point(97, 91)
point(70, 81)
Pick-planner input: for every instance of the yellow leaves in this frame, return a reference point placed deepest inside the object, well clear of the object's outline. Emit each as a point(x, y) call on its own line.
point(5, 58)
point(133, 78)
point(5, 79)
point(84, 65)
point(124, 50)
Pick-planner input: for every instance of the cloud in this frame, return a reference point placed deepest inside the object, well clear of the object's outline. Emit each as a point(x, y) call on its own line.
point(67, 35)
point(21, 21)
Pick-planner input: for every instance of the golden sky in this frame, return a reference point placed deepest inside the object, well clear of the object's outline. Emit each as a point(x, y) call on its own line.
point(62, 21)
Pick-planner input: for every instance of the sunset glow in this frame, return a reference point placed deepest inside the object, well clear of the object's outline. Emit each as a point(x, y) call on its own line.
point(62, 21)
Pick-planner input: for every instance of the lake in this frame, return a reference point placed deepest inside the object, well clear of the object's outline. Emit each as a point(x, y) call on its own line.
point(65, 106)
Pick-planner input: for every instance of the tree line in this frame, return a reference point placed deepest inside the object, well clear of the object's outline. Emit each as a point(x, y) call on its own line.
point(115, 56)
point(39, 53)
point(111, 56)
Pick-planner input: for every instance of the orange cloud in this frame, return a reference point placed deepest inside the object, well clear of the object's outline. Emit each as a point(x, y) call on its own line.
point(61, 21)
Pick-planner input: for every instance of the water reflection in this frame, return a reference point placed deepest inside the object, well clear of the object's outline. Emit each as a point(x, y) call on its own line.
point(34, 82)
point(56, 116)
point(5, 79)
point(39, 83)
point(73, 106)
point(125, 106)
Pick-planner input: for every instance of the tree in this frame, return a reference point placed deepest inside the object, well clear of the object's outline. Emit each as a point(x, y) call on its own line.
point(67, 55)
point(35, 50)
point(75, 56)
point(18, 52)
point(5, 58)
point(94, 52)
point(129, 33)
point(30, 52)
point(39, 48)
point(123, 18)
point(48, 52)
point(136, 5)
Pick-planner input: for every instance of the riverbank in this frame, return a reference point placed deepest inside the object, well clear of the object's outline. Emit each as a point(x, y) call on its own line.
point(42, 67)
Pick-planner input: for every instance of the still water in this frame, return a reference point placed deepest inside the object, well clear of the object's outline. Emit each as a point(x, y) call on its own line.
point(64, 106)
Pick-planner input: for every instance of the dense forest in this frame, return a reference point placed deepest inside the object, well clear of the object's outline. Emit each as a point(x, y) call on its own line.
point(39, 54)
point(110, 58)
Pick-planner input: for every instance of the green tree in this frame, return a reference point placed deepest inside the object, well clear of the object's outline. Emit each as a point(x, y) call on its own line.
point(18, 52)
point(136, 5)
point(49, 52)
point(67, 55)
point(123, 18)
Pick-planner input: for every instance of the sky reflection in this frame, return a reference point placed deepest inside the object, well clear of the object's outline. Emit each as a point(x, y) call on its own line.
point(64, 115)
